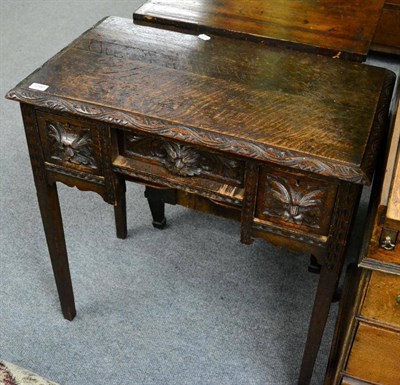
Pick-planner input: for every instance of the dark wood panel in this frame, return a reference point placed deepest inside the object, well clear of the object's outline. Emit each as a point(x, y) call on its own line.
point(290, 108)
point(340, 25)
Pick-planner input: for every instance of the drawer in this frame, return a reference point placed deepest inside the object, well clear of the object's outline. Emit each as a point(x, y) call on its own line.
point(70, 143)
point(295, 200)
point(375, 355)
point(381, 301)
point(181, 159)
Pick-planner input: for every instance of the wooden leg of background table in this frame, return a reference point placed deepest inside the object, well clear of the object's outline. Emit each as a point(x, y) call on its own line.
point(157, 197)
point(326, 289)
point(157, 209)
point(53, 228)
point(314, 266)
point(120, 209)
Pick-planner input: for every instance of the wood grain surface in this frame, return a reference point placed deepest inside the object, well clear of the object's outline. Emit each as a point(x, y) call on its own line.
point(381, 300)
point(295, 109)
point(375, 355)
point(345, 26)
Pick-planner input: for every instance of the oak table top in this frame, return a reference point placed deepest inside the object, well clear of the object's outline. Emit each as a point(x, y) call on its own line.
point(345, 26)
point(292, 108)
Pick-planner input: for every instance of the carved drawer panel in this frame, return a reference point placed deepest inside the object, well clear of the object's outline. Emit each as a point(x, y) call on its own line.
point(382, 302)
point(182, 160)
point(295, 200)
point(70, 143)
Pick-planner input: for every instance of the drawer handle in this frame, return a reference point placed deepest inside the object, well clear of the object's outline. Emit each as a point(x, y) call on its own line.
point(387, 244)
point(398, 299)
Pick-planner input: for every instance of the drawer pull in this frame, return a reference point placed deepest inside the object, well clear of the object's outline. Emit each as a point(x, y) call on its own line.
point(387, 244)
point(398, 299)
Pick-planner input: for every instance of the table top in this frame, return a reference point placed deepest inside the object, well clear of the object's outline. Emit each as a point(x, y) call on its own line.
point(291, 108)
point(342, 25)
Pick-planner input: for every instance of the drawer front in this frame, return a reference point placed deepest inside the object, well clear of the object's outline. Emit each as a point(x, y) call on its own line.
point(382, 302)
point(182, 160)
point(292, 199)
point(70, 143)
point(375, 355)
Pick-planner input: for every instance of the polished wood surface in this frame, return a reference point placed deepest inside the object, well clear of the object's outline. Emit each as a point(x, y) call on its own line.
point(375, 355)
point(339, 27)
point(263, 135)
point(323, 109)
point(381, 301)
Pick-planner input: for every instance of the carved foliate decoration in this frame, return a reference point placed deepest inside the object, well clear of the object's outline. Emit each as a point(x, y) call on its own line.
point(184, 160)
point(181, 160)
point(299, 203)
point(72, 145)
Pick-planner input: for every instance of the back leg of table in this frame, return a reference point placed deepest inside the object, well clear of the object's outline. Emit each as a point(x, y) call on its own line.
point(314, 266)
point(156, 201)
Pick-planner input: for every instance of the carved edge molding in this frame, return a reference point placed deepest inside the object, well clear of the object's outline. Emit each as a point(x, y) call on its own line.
point(379, 126)
point(225, 143)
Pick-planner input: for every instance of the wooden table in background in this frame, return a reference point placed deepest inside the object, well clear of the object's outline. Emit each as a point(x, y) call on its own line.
point(281, 140)
point(343, 27)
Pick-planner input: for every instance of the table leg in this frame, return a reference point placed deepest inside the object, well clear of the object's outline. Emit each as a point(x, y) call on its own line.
point(314, 266)
point(325, 291)
point(120, 209)
point(51, 215)
point(331, 267)
point(53, 228)
point(156, 201)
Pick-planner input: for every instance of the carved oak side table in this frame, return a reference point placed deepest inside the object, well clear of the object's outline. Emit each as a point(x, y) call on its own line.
point(281, 140)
